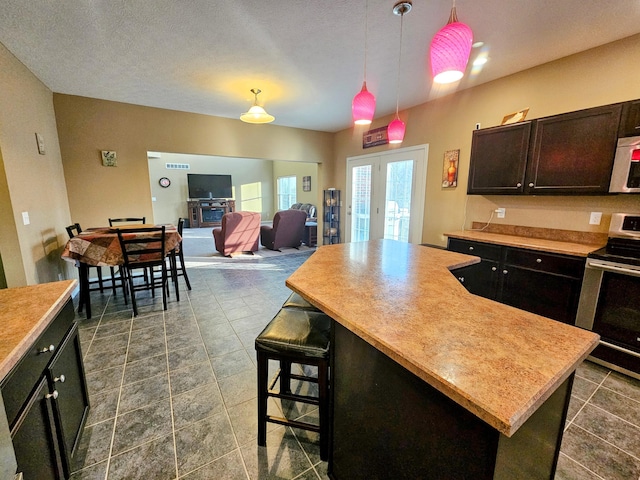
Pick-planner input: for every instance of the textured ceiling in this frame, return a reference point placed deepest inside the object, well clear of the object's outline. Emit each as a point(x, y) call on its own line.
point(307, 56)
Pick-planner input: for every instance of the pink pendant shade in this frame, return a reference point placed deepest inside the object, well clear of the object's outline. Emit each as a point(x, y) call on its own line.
point(450, 49)
point(363, 106)
point(395, 131)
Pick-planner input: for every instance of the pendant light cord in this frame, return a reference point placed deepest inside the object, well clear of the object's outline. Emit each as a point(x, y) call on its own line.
point(399, 63)
point(366, 36)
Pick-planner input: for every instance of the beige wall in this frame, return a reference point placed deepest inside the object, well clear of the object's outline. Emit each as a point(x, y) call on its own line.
point(252, 183)
point(597, 77)
point(285, 169)
point(86, 126)
point(30, 182)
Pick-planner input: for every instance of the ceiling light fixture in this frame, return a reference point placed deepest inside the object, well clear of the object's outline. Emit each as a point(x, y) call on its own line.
point(396, 129)
point(363, 105)
point(450, 50)
point(256, 114)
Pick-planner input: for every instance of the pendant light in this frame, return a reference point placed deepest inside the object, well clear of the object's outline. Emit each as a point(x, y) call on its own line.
point(363, 105)
point(396, 129)
point(450, 50)
point(256, 114)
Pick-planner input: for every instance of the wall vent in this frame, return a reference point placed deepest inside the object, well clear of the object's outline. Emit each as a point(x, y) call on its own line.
point(177, 166)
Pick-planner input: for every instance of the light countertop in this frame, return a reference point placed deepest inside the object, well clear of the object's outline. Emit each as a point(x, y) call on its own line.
point(498, 362)
point(521, 241)
point(25, 312)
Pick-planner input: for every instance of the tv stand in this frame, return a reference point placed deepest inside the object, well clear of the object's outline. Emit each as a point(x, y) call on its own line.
point(208, 213)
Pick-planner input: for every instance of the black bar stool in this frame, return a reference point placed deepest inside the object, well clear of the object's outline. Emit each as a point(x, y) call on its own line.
point(296, 301)
point(298, 336)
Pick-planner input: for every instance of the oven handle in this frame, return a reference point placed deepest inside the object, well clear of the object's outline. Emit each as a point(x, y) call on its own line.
point(611, 268)
point(621, 349)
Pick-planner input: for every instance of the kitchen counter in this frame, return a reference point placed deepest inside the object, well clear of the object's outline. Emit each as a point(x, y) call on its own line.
point(497, 362)
point(567, 242)
point(25, 314)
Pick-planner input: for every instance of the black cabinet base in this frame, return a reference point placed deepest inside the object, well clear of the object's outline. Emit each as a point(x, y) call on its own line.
point(390, 424)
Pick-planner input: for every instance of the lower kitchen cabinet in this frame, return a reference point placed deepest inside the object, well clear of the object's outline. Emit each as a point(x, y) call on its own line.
point(543, 283)
point(47, 402)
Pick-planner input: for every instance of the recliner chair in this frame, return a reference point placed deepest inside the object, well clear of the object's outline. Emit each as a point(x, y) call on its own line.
point(287, 230)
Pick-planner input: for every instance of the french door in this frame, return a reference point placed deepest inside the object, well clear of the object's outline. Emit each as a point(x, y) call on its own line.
point(385, 195)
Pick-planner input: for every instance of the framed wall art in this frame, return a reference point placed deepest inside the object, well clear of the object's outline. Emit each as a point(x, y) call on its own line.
point(450, 169)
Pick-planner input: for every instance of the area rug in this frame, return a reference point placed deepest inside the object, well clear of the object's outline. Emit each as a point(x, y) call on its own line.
point(198, 244)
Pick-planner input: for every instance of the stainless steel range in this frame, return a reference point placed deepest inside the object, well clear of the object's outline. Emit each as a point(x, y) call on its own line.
point(610, 296)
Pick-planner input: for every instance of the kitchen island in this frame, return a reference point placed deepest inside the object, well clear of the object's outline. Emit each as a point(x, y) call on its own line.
point(429, 381)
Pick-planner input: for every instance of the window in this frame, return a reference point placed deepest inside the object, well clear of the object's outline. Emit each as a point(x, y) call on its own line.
point(286, 192)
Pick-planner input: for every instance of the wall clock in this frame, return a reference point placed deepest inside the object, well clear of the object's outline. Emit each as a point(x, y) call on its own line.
point(164, 182)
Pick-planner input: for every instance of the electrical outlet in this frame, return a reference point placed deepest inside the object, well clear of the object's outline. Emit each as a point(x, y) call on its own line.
point(595, 218)
point(25, 218)
point(500, 212)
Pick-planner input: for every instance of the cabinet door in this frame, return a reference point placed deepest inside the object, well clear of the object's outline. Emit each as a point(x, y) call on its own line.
point(498, 159)
point(630, 123)
point(66, 376)
point(481, 279)
point(573, 153)
point(35, 438)
point(550, 295)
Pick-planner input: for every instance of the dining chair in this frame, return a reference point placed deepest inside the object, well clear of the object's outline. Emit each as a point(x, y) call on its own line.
point(181, 270)
point(101, 282)
point(144, 248)
point(141, 220)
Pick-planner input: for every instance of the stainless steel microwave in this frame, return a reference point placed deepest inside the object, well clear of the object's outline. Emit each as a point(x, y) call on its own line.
point(625, 177)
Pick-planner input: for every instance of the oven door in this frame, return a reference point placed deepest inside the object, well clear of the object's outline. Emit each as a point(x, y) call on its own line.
point(610, 306)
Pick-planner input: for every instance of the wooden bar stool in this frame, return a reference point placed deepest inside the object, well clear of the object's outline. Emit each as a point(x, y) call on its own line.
point(294, 336)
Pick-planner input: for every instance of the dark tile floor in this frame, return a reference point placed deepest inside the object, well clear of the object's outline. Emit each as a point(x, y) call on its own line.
point(173, 393)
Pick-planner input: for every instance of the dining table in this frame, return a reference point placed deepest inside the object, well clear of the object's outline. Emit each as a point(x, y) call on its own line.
point(100, 247)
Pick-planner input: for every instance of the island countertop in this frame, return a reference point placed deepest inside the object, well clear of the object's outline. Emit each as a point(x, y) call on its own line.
point(24, 314)
point(498, 362)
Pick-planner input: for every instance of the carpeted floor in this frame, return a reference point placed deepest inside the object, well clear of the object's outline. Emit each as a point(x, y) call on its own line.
point(198, 245)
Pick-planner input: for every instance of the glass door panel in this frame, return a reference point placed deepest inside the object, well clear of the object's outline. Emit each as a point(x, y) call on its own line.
point(360, 203)
point(398, 200)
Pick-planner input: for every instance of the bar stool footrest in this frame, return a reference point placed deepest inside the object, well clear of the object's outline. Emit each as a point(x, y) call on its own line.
point(294, 423)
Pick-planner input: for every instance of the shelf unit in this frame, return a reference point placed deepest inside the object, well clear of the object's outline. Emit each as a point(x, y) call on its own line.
point(331, 217)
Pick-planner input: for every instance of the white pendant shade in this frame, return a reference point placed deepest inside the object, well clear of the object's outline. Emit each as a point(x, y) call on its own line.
point(256, 113)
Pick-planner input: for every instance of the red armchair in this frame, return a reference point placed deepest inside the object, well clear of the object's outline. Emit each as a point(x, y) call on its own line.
point(287, 230)
point(239, 233)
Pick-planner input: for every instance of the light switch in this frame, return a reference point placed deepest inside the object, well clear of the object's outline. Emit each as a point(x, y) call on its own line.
point(25, 218)
point(595, 218)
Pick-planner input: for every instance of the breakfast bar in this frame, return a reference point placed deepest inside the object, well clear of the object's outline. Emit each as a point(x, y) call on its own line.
point(430, 381)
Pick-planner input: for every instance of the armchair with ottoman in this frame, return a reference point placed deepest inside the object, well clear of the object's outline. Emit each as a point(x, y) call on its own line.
point(239, 232)
point(287, 230)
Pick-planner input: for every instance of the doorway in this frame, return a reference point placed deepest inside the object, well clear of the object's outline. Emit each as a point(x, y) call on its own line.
point(385, 195)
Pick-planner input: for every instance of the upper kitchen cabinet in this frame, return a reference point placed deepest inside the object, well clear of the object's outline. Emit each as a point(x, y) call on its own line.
point(630, 123)
point(573, 153)
point(499, 159)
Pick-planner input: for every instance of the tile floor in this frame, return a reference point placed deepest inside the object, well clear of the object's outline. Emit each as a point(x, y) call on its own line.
point(173, 393)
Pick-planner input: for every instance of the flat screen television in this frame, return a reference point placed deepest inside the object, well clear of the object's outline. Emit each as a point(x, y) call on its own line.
point(209, 186)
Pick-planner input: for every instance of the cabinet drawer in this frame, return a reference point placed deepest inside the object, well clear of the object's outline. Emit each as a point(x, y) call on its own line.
point(24, 377)
point(546, 262)
point(482, 250)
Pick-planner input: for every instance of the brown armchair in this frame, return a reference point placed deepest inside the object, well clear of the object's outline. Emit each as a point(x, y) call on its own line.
point(287, 230)
point(239, 233)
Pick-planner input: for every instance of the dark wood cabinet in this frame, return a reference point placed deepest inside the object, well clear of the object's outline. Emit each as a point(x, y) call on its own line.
point(46, 400)
point(564, 154)
point(34, 437)
point(498, 159)
point(573, 153)
point(331, 214)
point(630, 121)
point(543, 283)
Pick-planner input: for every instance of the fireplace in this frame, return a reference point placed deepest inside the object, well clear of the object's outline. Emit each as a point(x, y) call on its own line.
point(213, 215)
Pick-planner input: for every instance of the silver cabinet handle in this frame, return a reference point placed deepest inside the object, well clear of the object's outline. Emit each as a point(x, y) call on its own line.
point(505, 271)
point(538, 260)
point(53, 395)
point(461, 279)
point(60, 379)
point(493, 269)
point(518, 184)
point(470, 248)
point(48, 349)
point(531, 184)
